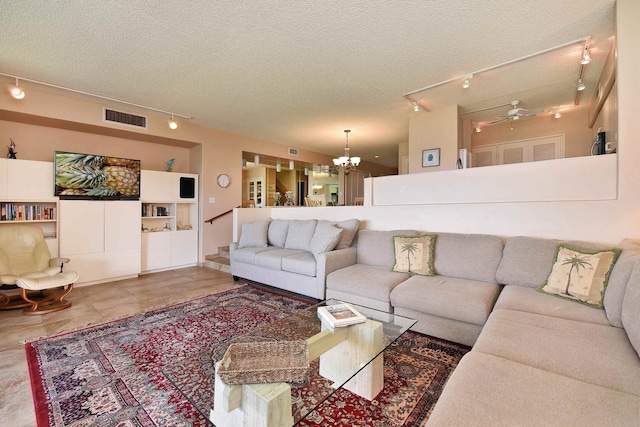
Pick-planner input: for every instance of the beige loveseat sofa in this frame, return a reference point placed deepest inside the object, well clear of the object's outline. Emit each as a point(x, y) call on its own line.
point(537, 359)
point(294, 255)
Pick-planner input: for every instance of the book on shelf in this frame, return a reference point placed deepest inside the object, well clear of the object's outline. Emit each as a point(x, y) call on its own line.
point(339, 315)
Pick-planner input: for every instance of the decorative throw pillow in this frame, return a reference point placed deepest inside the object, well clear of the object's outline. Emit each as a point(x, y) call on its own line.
point(325, 238)
point(414, 254)
point(349, 229)
point(254, 234)
point(580, 275)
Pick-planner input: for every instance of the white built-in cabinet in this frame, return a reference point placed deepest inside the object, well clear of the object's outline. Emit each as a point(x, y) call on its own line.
point(26, 189)
point(528, 150)
point(169, 220)
point(102, 238)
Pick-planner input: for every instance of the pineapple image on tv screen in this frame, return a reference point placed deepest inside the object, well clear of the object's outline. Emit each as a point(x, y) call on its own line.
point(91, 176)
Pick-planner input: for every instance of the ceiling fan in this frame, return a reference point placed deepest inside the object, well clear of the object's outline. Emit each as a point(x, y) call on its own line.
point(517, 113)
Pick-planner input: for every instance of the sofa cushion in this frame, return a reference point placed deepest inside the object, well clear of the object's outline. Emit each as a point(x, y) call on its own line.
point(365, 280)
point(523, 298)
point(631, 308)
point(253, 234)
point(302, 263)
point(350, 229)
point(614, 296)
point(277, 234)
point(597, 354)
point(325, 238)
point(468, 256)
point(376, 247)
point(565, 280)
point(488, 391)
point(273, 259)
point(300, 234)
point(526, 261)
point(414, 254)
point(248, 255)
point(466, 300)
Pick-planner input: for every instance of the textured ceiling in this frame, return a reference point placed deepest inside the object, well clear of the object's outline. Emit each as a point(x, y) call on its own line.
point(299, 72)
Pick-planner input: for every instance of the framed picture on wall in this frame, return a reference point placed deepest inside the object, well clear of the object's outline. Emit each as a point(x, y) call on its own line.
point(431, 157)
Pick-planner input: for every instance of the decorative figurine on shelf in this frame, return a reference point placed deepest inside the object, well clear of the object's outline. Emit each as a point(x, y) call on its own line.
point(289, 196)
point(170, 165)
point(166, 227)
point(12, 150)
point(276, 198)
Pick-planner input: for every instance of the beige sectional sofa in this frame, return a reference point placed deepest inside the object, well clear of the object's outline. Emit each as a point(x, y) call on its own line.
point(537, 359)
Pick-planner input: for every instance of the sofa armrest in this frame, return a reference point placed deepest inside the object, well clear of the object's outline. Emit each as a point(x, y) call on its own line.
point(328, 262)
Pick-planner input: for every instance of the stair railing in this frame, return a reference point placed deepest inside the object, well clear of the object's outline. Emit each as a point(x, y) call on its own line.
point(210, 220)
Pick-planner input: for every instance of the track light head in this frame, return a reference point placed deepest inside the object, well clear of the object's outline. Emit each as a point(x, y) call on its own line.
point(172, 123)
point(478, 129)
point(416, 107)
point(581, 85)
point(278, 167)
point(467, 81)
point(557, 115)
point(586, 58)
point(16, 91)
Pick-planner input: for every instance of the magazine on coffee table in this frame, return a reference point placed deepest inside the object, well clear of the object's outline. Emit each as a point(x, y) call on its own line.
point(338, 315)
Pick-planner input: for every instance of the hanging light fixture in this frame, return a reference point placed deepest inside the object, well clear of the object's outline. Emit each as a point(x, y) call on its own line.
point(347, 162)
point(581, 85)
point(172, 122)
point(16, 91)
point(278, 167)
point(291, 165)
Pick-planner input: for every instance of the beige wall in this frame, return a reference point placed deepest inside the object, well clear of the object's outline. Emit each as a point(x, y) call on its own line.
point(607, 119)
point(435, 129)
point(573, 125)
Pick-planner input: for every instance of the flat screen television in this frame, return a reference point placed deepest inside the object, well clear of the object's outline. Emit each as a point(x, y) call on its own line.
point(93, 177)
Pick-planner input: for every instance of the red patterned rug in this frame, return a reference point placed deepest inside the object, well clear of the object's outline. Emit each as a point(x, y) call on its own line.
point(127, 372)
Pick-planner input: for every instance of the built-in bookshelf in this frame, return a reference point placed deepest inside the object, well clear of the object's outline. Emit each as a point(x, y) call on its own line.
point(42, 214)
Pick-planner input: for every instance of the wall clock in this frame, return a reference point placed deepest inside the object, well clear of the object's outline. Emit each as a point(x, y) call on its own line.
point(223, 180)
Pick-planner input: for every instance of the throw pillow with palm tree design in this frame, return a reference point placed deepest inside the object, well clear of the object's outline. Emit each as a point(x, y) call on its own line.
point(414, 254)
point(581, 275)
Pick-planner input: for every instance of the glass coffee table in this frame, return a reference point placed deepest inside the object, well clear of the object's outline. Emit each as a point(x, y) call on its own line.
point(347, 357)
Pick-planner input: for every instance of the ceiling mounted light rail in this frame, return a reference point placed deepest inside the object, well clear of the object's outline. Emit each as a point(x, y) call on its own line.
point(18, 93)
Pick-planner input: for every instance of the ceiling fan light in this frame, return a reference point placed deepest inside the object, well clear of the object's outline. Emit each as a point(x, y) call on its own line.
point(516, 117)
point(581, 85)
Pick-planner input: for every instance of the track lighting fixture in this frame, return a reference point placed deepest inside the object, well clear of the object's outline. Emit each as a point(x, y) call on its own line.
point(16, 91)
point(416, 107)
point(467, 81)
point(586, 57)
point(306, 171)
point(557, 115)
point(478, 129)
point(172, 123)
point(278, 167)
point(581, 86)
point(291, 165)
point(256, 160)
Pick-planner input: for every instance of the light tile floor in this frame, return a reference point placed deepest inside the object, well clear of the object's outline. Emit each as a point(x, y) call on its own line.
point(91, 305)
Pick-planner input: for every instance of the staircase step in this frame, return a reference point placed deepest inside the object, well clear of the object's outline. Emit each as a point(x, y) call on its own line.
point(218, 263)
point(223, 252)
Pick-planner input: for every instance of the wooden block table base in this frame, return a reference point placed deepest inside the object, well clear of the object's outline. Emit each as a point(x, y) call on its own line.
point(341, 353)
point(254, 405)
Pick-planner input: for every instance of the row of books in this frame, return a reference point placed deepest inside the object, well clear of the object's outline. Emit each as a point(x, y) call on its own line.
point(149, 209)
point(20, 212)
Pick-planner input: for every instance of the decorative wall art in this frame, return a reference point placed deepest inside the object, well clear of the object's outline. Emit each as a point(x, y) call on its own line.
point(431, 157)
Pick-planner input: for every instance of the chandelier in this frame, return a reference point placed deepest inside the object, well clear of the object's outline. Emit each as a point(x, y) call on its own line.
point(347, 162)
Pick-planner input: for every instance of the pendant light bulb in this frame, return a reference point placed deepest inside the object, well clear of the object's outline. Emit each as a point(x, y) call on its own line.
point(172, 123)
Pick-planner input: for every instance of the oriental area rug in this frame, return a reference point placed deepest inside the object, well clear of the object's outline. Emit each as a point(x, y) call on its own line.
point(137, 371)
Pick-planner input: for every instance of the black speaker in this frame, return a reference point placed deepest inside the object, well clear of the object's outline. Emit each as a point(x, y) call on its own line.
point(187, 187)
